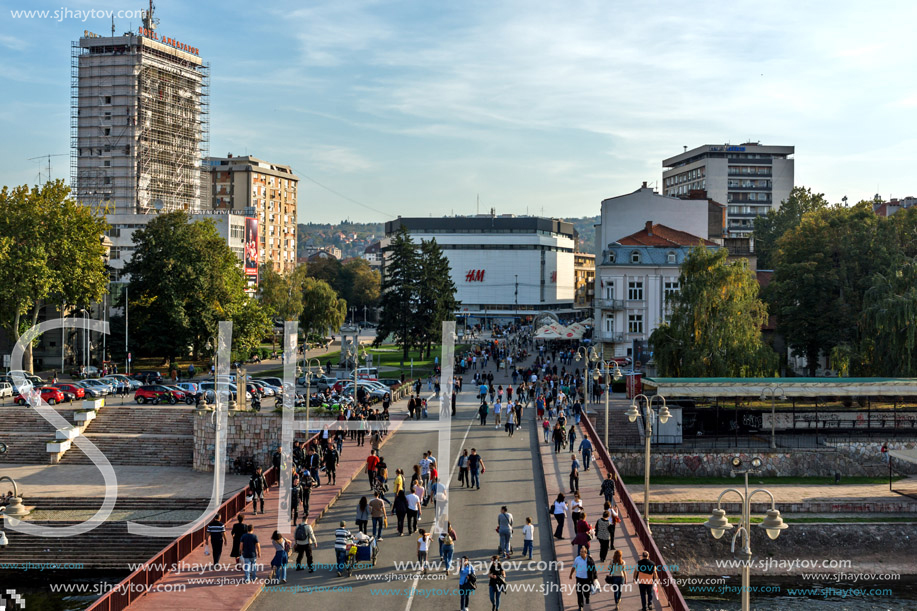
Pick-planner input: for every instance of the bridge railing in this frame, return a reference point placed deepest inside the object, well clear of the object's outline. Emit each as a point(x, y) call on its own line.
point(667, 581)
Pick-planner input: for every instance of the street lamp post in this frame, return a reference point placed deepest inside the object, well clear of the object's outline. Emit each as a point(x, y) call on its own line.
point(307, 373)
point(590, 355)
point(632, 414)
point(773, 391)
point(718, 524)
point(609, 376)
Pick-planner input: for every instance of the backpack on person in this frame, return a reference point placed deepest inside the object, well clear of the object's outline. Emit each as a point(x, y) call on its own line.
point(301, 536)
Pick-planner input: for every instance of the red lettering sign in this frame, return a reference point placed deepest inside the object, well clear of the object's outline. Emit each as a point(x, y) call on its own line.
point(474, 275)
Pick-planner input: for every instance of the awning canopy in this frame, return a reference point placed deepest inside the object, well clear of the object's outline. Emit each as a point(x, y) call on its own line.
point(788, 387)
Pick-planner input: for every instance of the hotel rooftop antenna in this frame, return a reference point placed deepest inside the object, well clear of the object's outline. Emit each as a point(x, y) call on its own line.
point(149, 22)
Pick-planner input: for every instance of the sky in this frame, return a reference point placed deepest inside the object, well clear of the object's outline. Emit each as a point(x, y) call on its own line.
point(425, 108)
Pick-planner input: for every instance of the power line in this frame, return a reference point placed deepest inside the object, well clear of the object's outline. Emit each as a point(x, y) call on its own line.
point(341, 195)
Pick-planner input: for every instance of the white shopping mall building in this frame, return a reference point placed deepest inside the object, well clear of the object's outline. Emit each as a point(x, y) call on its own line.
point(504, 266)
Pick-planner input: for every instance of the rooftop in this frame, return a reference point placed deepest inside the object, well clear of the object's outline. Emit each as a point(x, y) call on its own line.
point(662, 236)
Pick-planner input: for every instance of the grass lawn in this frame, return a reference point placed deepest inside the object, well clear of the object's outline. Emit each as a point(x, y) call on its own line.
point(758, 519)
point(771, 481)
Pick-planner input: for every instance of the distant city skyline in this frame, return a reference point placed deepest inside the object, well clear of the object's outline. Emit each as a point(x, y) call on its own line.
point(416, 109)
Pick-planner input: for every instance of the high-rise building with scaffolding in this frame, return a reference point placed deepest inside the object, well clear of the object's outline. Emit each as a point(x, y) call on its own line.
point(139, 122)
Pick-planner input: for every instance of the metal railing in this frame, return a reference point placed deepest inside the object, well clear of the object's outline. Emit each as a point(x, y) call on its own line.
point(610, 304)
point(676, 600)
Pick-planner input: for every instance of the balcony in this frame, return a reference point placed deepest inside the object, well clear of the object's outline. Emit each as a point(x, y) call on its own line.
point(610, 304)
point(611, 336)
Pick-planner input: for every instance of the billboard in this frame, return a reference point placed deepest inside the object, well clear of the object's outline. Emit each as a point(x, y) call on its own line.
point(252, 252)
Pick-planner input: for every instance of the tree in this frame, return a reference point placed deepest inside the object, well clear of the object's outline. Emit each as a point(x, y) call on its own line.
point(715, 325)
point(888, 320)
point(436, 294)
point(360, 283)
point(399, 294)
point(322, 308)
point(770, 227)
point(282, 294)
point(184, 280)
point(250, 323)
point(56, 254)
point(822, 271)
point(329, 270)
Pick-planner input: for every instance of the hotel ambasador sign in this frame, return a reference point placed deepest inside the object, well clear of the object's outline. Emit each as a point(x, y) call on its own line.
point(168, 41)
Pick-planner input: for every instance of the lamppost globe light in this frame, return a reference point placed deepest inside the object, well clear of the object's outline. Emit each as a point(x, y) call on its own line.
point(3, 540)
point(664, 414)
point(756, 462)
point(736, 462)
point(718, 524)
point(632, 413)
point(773, 523)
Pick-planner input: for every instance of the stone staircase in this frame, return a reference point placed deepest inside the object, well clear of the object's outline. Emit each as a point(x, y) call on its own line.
point(144, 420)
point(107, 547)
point(25, 434)
point(622, 433)
point(142, 436)
point(139, 450)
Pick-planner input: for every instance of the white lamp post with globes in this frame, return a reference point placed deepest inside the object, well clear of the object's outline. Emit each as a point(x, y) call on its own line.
point(772, 524)
point(633, 412)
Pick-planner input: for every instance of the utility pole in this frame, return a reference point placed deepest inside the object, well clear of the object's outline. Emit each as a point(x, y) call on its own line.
point(517, 295)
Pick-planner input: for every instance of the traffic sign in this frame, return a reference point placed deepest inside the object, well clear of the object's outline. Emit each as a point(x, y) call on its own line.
point(128, 357)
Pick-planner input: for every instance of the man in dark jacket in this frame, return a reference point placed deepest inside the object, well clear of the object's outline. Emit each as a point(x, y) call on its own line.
point(258, 486)
point(331, 463)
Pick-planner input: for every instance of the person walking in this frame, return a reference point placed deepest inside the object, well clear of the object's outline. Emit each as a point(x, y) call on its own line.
point(423, 548)
point(558, 437)
point(585, 448)
point(217, 531)
point(559, 511)
point(467, 581)
point(238, 529)
point(342, 539)
point(414, 511)
point(372, 461)
point(362, 518)
point(510, 421)
point(258, 487)
point(617, 576)
point(576, 508)
point(546, 426)
point(295, 497)
point(574, 473)
point(331, 459)
point(377, 512)
point(505, 530)
point(251, 552)
point(528, 538)
point(400, 510)
point(463, 469)
point(482, 413)
point(281, 557)
point(447, 541)
point(584, 570)
point(608, 489)
point(475, 464)
point(497, 584)
point(584, 533)
point(498, 407)
point(603, 534)
point(571, 436)
point(613, 520)
point(645, 577)
point(399, 481)
point(305, 543)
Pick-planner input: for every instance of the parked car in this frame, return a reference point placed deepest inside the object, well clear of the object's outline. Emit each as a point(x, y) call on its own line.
point(89, 371)
point(93, 392)
point(322, 382)
point(78, 391)
point(263, 389)
point(106, 389)
point(157, 393)
point(273, 382)
point(6, 389)
point(49, 395)
point(211, 387)
point(373, 391)
point(147, 377)
point(392, 383)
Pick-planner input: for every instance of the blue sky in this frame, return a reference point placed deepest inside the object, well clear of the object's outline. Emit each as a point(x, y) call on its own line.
point(415, 108)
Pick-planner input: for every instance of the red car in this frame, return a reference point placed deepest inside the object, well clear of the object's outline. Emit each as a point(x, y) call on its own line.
point(78, 391)
point(49, 394)
point(156, 393)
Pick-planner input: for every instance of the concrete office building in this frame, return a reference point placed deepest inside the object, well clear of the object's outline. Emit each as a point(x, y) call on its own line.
point(138, 125)
point(263, 190)
point(584, 276)
point(750, 179)
point(503, 266)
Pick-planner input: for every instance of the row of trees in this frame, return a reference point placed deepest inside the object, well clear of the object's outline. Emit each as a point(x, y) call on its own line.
point(297, 295)
point(417, 294)
point(51, 253)
point(844, 288)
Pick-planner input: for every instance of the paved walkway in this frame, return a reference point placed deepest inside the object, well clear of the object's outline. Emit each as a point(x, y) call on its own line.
point(216, 595)
point(86, 481)
point(556, 472)
point(785, 493)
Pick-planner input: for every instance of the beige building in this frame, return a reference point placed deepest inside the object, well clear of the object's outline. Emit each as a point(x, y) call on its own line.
point(259, 189)
point(584, 280)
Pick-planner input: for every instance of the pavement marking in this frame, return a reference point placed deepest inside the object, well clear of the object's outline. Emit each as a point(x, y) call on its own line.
point(417, 575)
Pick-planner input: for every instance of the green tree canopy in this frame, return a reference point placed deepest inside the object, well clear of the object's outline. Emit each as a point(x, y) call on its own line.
point(715, 324)
point(770, 227)
point(55, 255)
point(282, 294)
point(399, 293)
point(436, 294)
point(322, 308)
point(360, 283)
point(184, 280)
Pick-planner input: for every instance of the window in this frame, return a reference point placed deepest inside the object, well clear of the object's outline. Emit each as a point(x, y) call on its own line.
point(609, 289)
point(635, 290)
point(107, 131)
point(611, 257)
point(670, 257)
point(108, 99)
point(609, 324)
point(114, 253)
point(635, 257)
point(635, 323)
point(106, 180)
point(669, 288)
